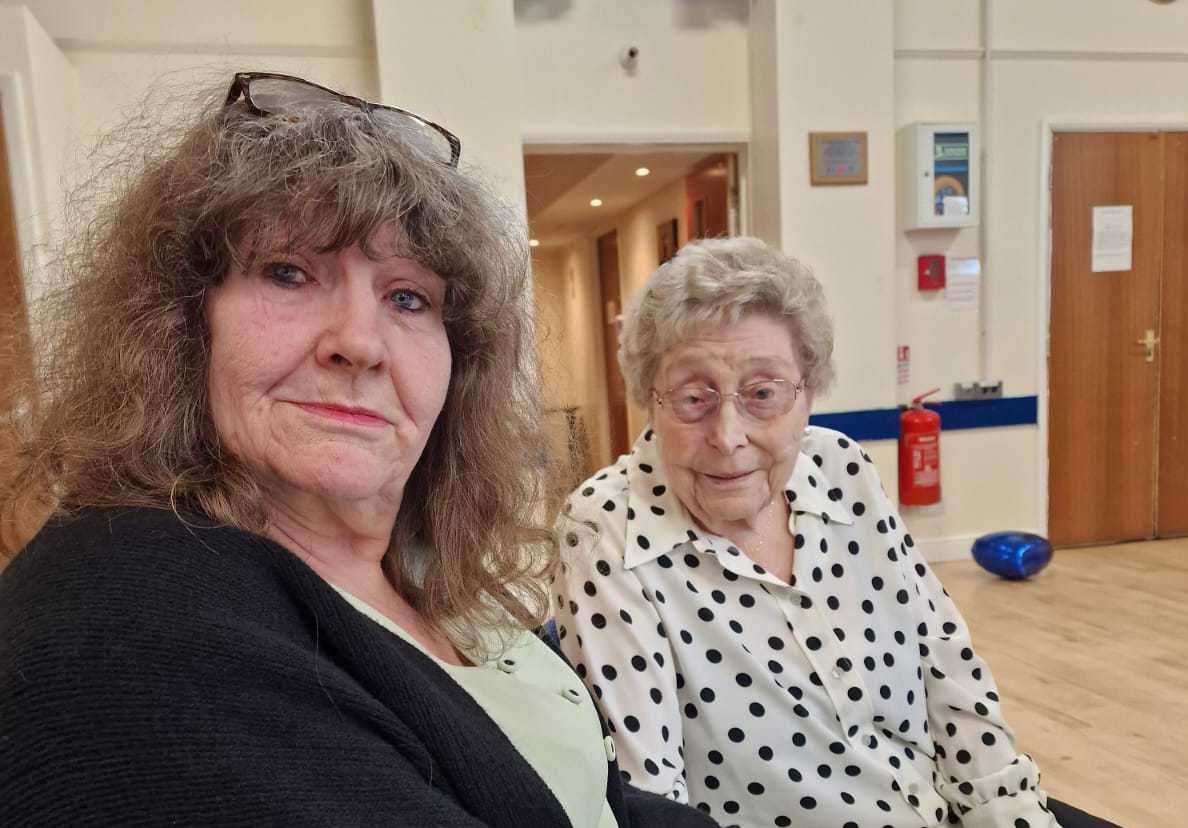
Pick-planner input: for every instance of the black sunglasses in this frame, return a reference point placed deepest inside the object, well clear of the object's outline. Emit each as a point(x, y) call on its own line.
point(269, 93)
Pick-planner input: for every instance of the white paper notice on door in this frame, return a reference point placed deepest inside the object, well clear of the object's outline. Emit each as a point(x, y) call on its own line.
point(1113, 238)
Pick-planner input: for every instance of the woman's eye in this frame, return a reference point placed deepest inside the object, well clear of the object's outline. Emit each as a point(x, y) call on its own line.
point(409, 300)
point(283, 273)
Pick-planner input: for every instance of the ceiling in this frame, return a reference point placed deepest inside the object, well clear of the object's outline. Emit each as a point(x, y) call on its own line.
point(560, 186)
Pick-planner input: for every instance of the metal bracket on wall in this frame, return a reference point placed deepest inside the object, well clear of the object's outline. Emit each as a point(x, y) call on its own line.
point(977, 390)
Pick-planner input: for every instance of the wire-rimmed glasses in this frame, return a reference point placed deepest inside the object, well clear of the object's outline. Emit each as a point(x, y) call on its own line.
point(762, 400)
point(269, 93)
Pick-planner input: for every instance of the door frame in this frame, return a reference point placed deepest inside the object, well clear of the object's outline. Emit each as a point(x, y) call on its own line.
point(22, 176)
point(1048, 128)
point(545, 142)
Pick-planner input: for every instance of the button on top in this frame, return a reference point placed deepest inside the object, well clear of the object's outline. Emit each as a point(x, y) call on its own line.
point(609, 743)
point(507, 665)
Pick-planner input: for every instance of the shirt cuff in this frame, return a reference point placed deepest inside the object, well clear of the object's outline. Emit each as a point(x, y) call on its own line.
point(1021, 810)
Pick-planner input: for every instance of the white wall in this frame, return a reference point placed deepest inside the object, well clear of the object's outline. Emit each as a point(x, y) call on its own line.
point(764, 174)
point(691, 79)
point(455, 63)
point(834, 72)
point(1061, 61)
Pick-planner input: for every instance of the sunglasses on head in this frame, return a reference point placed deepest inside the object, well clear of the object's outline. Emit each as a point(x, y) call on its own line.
point(269, 93)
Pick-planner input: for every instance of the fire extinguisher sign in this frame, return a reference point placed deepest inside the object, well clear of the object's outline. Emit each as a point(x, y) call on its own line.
point(925, 460)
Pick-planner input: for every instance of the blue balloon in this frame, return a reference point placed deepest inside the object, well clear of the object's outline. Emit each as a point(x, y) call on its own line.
point(1012, 555)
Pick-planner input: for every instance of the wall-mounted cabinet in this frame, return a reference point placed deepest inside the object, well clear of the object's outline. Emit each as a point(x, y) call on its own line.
point(938, 176)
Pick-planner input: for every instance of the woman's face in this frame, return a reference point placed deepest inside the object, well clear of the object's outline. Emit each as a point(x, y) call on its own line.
point(727, 467)
point(328, 371)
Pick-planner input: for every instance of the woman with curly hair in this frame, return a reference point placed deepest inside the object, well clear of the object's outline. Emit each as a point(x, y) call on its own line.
point(291, 565)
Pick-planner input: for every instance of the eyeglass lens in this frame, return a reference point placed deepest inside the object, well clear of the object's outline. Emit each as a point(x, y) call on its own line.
point(760, 400)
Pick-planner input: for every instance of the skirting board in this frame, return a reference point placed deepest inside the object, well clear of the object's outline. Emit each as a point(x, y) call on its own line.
point(954, 548)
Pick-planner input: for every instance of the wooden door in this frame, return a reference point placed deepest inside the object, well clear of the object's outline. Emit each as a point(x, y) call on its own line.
point(1172, 518)
point(612, 305)
point(707, 199)
point(1102, 390)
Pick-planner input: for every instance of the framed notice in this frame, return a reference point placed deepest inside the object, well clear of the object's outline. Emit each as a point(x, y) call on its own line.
point(837, 158)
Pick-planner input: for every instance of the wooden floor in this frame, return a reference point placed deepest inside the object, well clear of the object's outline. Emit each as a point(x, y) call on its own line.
point(1091, 657)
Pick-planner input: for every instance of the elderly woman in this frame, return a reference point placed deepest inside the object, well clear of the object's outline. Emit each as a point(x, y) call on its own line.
point(289, 578)
point(742, 598)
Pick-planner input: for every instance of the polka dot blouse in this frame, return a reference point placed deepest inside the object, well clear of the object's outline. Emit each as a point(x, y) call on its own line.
point(849, 697)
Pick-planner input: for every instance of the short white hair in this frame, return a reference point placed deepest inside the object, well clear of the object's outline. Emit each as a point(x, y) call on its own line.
point(719, 281)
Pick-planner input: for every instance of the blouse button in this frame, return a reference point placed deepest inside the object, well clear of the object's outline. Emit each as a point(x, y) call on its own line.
point(837, 673)
point(507, 665)
point(572, 695)
point(609, 743)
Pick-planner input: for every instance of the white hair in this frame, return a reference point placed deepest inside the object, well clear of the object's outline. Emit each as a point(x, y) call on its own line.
point(719, 281)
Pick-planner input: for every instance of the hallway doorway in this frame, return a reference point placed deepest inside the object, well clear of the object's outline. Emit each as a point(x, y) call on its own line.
point(602, 220)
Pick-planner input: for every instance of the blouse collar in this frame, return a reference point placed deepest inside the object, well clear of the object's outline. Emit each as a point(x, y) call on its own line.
point(657, 522)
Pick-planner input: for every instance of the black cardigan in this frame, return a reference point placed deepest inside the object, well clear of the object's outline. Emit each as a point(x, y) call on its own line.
point(157, 673)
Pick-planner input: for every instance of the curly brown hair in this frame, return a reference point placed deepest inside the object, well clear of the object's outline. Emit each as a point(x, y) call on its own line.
point(119, 415)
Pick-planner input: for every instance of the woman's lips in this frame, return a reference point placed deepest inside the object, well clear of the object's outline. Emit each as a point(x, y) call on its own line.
point(727, 478)
point(344, 414)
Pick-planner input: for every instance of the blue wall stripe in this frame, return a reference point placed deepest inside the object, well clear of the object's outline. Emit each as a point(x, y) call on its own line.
point(883, 423)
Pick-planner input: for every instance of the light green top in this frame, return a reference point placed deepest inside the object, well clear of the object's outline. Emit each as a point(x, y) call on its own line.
point(545, 712)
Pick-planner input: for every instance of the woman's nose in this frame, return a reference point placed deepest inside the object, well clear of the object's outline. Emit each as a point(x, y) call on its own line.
point(351, 338)
point(727, 430)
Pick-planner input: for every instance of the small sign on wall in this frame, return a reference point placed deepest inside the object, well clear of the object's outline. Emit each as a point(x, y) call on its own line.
point(837, 158)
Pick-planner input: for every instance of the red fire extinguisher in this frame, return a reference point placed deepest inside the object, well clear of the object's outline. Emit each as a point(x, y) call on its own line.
point(919, 454)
